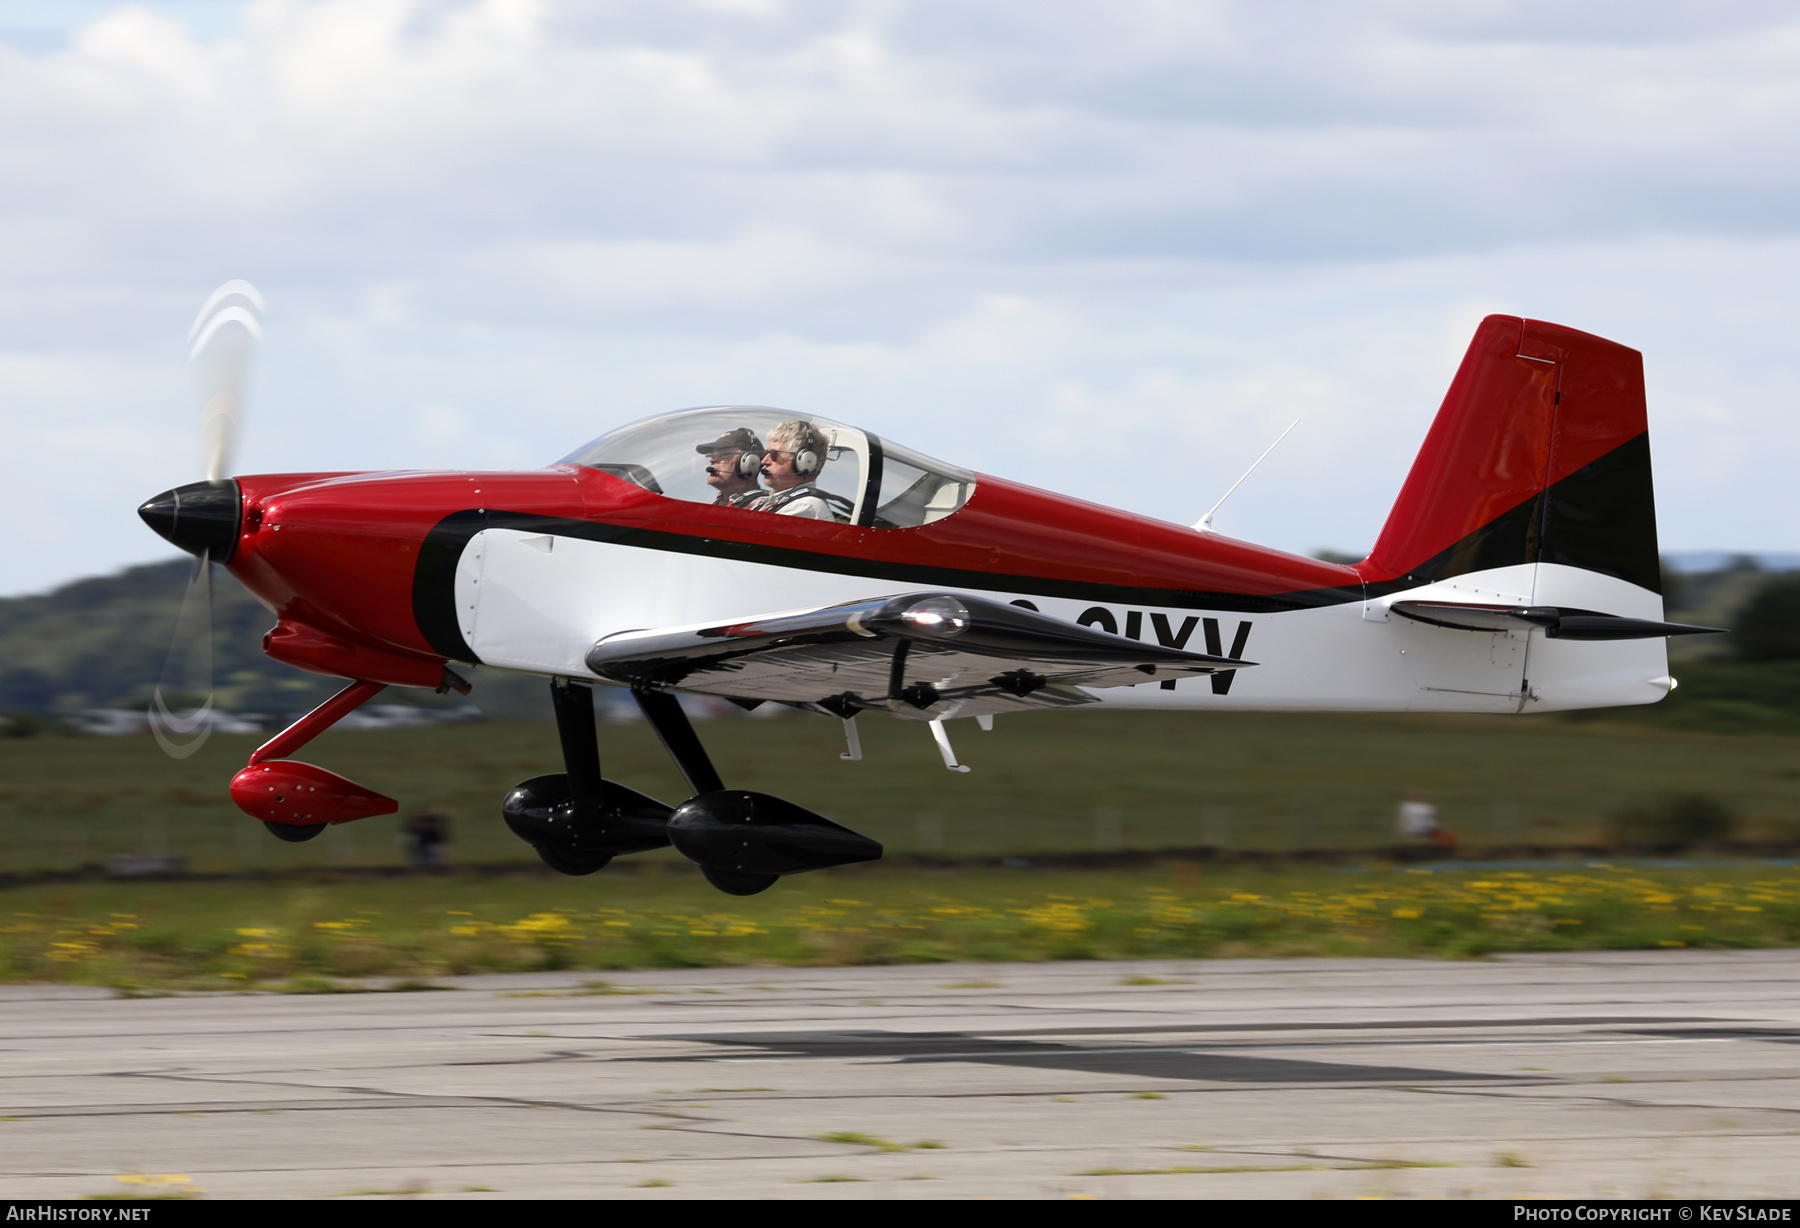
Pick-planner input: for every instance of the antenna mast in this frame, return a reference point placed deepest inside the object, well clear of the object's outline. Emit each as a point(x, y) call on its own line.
point(1204, 524)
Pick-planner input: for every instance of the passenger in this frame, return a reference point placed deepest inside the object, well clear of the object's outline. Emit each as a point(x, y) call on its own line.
point(790, 466)
point(1419, 821)
point(426, 833)
point(733, 463)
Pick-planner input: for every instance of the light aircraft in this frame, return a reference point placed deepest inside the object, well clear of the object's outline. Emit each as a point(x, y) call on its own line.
point(767, 556)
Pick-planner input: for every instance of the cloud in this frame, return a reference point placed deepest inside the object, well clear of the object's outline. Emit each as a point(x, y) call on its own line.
point(1018, 236)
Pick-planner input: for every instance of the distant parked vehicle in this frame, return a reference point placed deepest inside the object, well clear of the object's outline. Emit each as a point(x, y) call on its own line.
point(124, 722)
point(404, 716)
point(111, 722)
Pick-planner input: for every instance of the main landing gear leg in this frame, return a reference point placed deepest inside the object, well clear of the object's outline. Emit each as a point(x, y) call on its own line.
point(576, 819)
point(574, 708)
point(676, 732)
point(672, 726)
point(742, 841)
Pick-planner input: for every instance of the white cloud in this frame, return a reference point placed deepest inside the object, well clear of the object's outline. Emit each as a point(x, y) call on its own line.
point(491, 228)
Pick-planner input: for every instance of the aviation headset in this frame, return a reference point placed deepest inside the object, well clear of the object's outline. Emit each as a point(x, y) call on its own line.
point(749, 464)
point(742, 446)
point(807, 458)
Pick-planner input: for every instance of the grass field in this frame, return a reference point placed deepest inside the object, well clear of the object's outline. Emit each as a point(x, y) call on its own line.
point(1051, 783)
point(309, 936)
point(1044, 782)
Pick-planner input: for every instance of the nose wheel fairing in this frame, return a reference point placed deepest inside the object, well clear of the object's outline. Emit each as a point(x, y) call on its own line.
point(296, 801)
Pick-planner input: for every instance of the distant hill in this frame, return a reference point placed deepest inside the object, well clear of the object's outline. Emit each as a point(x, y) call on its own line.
point(1725, 560)
point(1711, 599)
point(101, 643)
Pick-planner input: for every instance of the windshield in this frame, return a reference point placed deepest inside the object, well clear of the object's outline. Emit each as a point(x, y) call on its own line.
point(759, 459)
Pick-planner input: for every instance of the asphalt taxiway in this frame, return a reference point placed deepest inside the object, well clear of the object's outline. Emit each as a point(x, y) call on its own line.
point(1606, 1074)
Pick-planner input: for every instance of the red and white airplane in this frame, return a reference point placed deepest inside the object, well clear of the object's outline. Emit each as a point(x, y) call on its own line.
point(767, 556)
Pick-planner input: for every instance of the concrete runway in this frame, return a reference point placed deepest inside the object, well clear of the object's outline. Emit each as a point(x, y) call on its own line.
point(1667, 1073)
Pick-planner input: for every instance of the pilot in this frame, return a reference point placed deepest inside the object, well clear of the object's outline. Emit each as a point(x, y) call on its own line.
point(791, 465)
point(733, 463)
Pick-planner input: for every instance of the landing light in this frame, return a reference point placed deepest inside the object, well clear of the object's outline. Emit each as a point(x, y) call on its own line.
point(942, 615)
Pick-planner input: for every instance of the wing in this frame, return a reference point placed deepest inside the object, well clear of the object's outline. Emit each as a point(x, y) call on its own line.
point(926, 656)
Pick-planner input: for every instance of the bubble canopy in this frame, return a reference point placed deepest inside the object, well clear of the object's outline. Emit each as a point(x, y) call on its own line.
point(739, 454)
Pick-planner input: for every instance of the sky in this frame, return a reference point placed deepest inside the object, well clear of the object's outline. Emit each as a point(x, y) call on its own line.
point(1106, 247)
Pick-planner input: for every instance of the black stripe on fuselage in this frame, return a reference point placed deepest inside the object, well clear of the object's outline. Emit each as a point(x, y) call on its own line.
point(434, 580)
point(1601, 518)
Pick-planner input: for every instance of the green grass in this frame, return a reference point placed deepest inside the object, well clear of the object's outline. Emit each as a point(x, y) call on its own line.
point(1178, 780)
point(857, 1138)
point(1040, 781)
point(313, 937)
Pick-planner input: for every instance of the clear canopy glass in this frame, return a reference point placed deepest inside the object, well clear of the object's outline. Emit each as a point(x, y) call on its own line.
point(768, 460)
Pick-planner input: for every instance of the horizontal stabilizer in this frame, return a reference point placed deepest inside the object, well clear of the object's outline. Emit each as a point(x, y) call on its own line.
point(1554, 621)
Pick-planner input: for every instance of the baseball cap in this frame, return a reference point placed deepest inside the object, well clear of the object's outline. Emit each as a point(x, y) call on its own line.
point(743, 439)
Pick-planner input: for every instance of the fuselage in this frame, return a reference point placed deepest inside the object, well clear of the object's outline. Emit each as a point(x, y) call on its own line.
point(390, 576)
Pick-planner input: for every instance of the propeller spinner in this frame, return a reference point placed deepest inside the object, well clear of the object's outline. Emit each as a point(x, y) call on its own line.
point(203, 517)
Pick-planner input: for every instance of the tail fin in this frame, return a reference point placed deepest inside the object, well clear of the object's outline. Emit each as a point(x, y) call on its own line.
point(1539, 454)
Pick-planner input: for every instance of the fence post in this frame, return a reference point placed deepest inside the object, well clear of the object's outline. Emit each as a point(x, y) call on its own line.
point(1215, 826)
point(1109, 829)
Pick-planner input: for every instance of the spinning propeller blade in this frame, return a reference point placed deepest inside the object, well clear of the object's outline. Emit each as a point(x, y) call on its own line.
point(187, 674)
point(222, 344)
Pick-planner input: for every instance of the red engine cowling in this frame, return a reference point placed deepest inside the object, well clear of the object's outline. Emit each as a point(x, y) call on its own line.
point(302, 795)
point(306, 647)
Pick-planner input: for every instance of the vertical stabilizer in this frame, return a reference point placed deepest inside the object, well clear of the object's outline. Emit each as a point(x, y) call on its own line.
point(1539, 454)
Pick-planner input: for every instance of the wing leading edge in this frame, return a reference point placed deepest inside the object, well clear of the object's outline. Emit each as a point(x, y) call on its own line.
point(924, 656)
